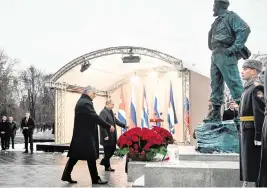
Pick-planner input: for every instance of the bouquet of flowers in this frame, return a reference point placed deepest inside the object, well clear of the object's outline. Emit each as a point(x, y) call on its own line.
point(165, 135)
point(141, 144)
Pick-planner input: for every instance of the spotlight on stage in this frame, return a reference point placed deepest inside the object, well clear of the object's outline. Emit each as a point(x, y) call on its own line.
point(85, 65)
point(131, 58)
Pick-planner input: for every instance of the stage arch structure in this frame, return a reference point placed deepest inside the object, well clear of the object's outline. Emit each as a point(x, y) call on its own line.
point(105, 70)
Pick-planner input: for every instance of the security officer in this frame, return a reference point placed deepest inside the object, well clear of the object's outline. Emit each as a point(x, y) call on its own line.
point(251, 118)
point(227, 38)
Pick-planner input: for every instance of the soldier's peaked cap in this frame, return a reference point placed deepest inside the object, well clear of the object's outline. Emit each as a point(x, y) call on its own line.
point(224, 1)
point(253, 64)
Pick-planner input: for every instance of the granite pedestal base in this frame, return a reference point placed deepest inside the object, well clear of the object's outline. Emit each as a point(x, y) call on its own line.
point(192, 174)
point(193, 169)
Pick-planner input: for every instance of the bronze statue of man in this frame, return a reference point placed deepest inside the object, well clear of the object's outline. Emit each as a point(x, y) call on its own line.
point(227, 38)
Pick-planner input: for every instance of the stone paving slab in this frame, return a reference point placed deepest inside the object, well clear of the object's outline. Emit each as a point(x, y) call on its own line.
point(45, 170)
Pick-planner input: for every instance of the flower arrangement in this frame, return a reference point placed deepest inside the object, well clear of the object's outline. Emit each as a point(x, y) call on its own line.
point(141, 144)
point(165, 134)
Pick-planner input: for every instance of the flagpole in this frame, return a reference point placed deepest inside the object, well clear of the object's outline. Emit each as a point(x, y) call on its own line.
point(183, 107)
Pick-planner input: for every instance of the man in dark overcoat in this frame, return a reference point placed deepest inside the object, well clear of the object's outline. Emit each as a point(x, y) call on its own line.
point(27, 125)
point(4, 133)
point(12, 130)
point(251, 118)
point(84, 144)
point(262, 179)
point(109, 139)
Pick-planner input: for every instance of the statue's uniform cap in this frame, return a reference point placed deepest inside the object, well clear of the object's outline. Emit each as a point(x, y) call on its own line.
point(224, 1)
point(253, 64)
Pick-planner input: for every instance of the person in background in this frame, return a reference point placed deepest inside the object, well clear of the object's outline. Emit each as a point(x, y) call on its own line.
point(28, 125)
point(12, 130)
point(231, 113)
point(4, 133)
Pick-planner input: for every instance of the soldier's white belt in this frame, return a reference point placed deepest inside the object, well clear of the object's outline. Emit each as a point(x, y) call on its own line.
point(247, 118)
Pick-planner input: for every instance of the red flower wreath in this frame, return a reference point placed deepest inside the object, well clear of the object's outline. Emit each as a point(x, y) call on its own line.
point(140, 140)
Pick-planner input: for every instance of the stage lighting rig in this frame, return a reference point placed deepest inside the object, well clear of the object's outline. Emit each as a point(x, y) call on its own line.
point(131, 58)
point(85, 65)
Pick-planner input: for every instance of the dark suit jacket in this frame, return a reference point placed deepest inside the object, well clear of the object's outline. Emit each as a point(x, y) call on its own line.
point(30, 124)
point(106, 114)
point(230, 114)
point(85, 144)
point(4, 128)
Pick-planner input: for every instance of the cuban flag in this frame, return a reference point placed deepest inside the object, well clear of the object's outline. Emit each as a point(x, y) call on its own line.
point(144, 119)
point(122, 112)
point(156, 107)
point(133, 111)
point(172, 119)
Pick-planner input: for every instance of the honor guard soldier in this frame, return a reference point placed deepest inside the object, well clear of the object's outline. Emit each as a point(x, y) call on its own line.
point(251, 118)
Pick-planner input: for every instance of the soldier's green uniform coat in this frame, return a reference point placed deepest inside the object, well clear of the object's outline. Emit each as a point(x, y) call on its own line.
point(227, 36)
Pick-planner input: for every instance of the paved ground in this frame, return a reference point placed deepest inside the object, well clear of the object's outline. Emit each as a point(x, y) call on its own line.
point(45, 170)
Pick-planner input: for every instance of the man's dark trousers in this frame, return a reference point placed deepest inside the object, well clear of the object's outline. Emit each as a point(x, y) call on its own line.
point(28, 137)
point(108, 151)
point(91, 165)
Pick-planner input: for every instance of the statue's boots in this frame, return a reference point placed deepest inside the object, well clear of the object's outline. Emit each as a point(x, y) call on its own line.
point(215, 115)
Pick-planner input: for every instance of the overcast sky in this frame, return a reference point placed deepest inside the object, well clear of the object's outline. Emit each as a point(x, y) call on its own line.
point(50, 33)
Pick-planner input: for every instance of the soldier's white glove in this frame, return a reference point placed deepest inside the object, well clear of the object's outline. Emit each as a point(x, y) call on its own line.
point(106, 138)
point(3, 132)
point(257, 143)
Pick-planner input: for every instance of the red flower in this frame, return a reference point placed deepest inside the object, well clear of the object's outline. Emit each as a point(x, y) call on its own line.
point(140, 139)
point(166, 135)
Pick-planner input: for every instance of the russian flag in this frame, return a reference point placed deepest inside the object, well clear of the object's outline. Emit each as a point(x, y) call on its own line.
point(144, 119)
point(156, 108)
point(122, 112)
point(133, 111)
point(172, 119)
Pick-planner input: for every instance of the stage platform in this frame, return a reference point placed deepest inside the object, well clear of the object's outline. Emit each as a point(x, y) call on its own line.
point(43, 140)
point(52, 147)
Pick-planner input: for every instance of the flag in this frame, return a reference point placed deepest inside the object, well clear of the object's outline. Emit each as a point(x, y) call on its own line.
point(172, 119)
point(187, 114)
point(144, 119)
point(133, 111)
point(156, 108)
point(122, 113)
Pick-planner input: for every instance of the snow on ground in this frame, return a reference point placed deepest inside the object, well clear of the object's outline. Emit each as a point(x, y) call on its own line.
point(47, 134)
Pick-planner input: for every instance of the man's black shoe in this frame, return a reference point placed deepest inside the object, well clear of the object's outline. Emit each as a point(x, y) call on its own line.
point(110, 169)
point(31, 152)
point(68, 179)
point(99, 181)
point(26, 151)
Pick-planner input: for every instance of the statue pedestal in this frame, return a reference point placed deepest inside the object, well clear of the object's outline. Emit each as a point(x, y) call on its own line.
point(217, 136)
